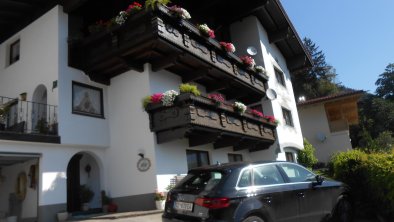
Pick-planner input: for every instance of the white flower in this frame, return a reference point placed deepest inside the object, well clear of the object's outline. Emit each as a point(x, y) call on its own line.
point(121, 18)
point(185, 14)
point(169, 97)
point(260, 69)
point(204, 27)
point(240, 107)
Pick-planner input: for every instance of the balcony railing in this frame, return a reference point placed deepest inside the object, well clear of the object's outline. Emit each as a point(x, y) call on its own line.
point(166, 42)
point(202, 121)
point(28, 121)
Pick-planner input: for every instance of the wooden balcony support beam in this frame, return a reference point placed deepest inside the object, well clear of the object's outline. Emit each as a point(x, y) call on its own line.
point(280, 35)
point(245, 144)
point(194, 76)
point(197, 139)
point(297, 61)
point(226, 141)
point(166, 62)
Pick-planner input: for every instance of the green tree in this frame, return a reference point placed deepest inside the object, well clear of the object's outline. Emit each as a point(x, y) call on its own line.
point(306, 157)
point(385, 83)
point(318, 80)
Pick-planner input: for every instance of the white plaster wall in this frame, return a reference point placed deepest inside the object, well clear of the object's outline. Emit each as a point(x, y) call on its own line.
point(53, 164)
point(11, 173)
point(250, 32)
point(130, 135)
point(77, 129)
point(313, 121)
point(38, 62)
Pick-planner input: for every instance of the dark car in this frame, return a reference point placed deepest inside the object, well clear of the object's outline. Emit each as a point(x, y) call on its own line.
point(256, 192)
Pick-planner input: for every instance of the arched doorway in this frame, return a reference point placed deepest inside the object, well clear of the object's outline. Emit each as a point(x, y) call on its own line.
point(39, 108)
point(82, 170)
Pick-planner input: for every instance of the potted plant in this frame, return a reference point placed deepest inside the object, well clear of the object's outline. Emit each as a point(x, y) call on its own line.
point(23, 96)
point(160, 200)
point(42, 126)
point(105, 201)
point(62, 216)
point(86, 195)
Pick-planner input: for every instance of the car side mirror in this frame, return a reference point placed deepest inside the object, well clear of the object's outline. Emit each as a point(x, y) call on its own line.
point(319, 180)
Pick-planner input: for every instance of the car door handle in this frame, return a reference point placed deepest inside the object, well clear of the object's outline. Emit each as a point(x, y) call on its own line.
point(301, 194)
point(267, 199)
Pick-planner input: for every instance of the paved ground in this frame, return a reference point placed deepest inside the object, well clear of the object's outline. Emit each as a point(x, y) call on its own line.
point(146, 216)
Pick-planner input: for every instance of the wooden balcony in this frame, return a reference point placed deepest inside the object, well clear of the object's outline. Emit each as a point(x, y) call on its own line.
point(201, 121)
point(166, 42)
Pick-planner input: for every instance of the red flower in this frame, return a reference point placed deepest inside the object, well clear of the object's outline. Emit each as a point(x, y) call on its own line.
point(270, 119)
point(211, 33)
point(134, 6)
point(247, 60)
point(216, 97)
point(257, 113)
point(229, 47)
point(156, 98)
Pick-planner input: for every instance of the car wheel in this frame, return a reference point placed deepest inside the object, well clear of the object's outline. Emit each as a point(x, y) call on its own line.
point(253, 219)
point(343, 211)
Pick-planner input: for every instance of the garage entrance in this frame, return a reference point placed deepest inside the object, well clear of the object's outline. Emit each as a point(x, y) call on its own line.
point(19, 174)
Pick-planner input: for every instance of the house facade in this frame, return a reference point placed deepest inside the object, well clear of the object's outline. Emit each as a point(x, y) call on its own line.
point(325, 122)
point(71, 111)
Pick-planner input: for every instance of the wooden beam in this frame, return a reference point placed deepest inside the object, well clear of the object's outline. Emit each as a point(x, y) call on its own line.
point(169, 135)
point(280, 35)
point(195, 75)
point(245, 144)
point(71, 5)
point(132, 64)
point(17, 5)
point(260, 146)
point(197, 139)
point(226, 141)
point(166, 61)
point(296, 62)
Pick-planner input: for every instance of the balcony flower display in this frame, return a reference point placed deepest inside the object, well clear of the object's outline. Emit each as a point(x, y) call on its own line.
point(205, 30)
point(217, 98)
point(134, 7)
point(157, 97)
point(239, 107)
point(169, 97)
point(180, 12)
point(189, 88)
point(121, 18)
point(257, 113)
point(271, 119)
point(248, 61)
point(260, 69)
point(229, 47)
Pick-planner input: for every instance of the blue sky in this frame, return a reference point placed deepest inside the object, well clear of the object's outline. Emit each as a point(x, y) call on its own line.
point(357, 36)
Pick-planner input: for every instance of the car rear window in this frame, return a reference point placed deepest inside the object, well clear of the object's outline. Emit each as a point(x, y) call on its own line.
point(201, 180)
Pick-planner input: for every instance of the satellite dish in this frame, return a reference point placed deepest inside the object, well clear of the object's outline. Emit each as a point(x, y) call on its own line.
point(252, 51)
point(321, 136)
point(271, 94)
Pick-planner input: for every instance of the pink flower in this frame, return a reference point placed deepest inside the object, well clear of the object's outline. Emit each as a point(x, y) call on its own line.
point(229, 47)
point(211, 33)
point(257, 113)
point(247, 60)
point(134, 7)
point(270, 119)
point(216, 97)
point(157, 97)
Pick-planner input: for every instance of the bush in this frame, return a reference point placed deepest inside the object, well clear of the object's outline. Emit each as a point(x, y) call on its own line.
point(371, 179)
point(306, 157)
point(188, 88)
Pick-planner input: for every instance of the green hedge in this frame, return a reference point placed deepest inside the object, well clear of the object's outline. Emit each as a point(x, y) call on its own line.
point(370, 177)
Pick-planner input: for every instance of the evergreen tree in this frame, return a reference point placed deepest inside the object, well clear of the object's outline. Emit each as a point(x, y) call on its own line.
point(318, 80)
point(385, 83)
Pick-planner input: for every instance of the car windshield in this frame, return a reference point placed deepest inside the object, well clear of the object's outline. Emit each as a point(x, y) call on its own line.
point(201, 180)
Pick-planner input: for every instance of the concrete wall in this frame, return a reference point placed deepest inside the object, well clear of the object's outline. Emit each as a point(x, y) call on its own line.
point(314, 121)
point(250, 32)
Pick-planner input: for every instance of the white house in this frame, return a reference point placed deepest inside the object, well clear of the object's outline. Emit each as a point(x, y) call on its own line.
point(82, 122)
point(325, 122)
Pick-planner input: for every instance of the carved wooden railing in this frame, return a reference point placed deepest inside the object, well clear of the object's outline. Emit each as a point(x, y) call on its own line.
point(202, 121)
point(167, 42)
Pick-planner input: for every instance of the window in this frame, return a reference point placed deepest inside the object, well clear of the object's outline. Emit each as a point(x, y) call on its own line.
point(234, 157)
point(14, 51)
point(201, 180)
point(280, 77)
point(246, 179)
point(196, 158)
point(287, 117)
point(289, 157)
point(297, 173)
point(266, 175)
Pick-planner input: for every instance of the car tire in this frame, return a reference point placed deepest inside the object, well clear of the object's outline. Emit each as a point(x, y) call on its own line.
point(343, 211)
point(253, 219)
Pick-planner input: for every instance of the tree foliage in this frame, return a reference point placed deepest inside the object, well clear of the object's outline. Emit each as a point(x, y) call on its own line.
point(318, 80)
point(306, 157)
point(385, 83)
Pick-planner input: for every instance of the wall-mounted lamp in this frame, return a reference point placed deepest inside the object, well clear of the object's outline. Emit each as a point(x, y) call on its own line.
point(141, 155)
point(252, 51)
point(88, 168)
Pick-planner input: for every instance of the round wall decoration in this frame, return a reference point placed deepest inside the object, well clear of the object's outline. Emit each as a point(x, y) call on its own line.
point(21, 185)
point(143, 164)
